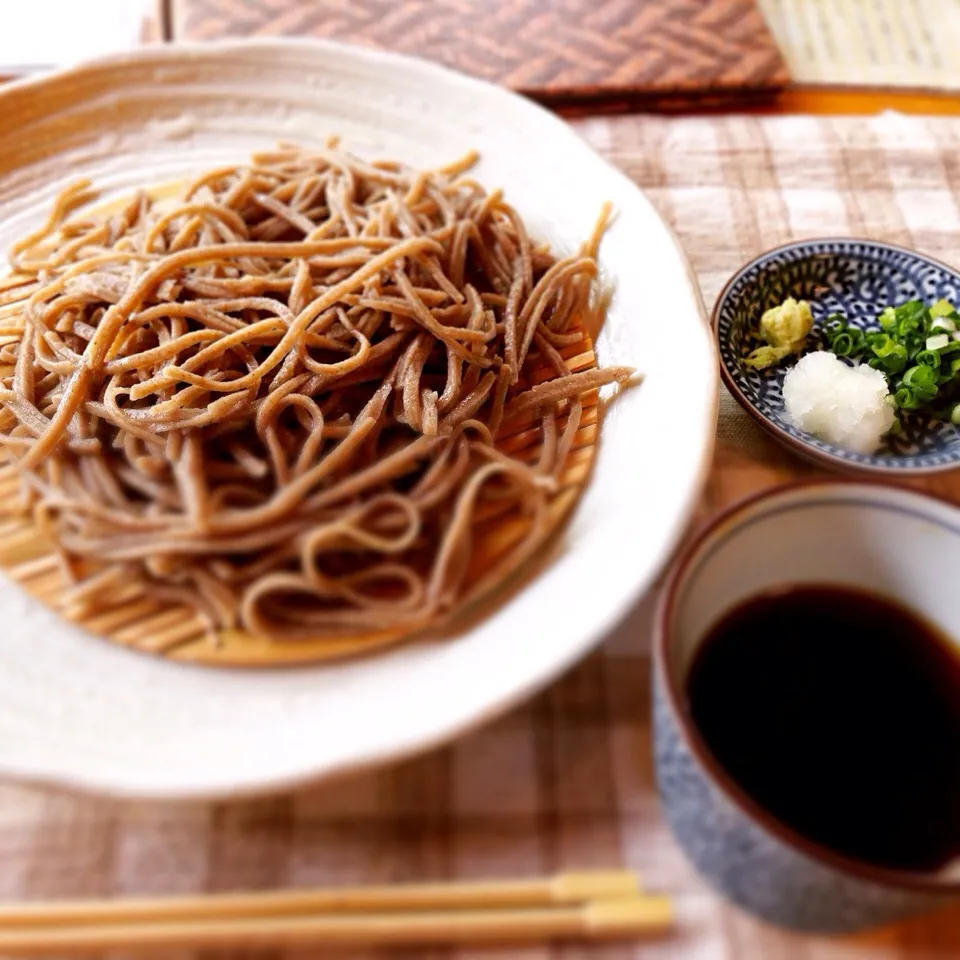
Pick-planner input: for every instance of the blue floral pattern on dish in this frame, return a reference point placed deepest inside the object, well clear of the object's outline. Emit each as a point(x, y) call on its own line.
point(857, 278)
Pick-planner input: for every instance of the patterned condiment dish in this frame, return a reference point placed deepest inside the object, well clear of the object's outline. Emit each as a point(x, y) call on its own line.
point(857, 278)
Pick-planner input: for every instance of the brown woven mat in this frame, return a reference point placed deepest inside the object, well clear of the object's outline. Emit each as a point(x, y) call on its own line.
point(555, 50)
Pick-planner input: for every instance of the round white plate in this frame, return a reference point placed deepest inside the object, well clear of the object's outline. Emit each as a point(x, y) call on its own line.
point(79, 712)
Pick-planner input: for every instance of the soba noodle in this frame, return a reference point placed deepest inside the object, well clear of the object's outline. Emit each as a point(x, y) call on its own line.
point(277, 397)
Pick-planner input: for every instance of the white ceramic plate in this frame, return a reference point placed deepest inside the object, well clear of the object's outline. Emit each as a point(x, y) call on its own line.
point(79, 712)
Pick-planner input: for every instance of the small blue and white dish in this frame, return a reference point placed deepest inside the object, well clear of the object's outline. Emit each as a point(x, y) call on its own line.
point(857, 278)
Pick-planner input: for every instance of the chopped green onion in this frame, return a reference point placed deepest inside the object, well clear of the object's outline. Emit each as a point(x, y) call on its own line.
point(834, 324)
point(922, 383)
point(887, 319)
point(911, 332)
point(890, 355)
point(843, 344)
point(903, 398)
point(928, 358)
point(911, 310)
point(917, 349)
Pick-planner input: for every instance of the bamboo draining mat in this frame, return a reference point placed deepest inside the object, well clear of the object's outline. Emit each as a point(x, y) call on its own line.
point(554, 50)
point(565, 781)
point(131, 618)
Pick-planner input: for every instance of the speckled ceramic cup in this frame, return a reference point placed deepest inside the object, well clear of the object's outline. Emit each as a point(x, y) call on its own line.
point(869, 536)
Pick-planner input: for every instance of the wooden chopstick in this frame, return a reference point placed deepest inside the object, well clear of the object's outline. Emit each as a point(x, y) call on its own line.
point(616, 918)
point(564, 888)
point(586, 905)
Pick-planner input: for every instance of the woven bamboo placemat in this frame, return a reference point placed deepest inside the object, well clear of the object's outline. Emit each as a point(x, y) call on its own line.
point(553, 50)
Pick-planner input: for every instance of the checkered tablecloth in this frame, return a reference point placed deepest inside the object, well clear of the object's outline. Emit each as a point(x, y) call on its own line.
point(566, 780)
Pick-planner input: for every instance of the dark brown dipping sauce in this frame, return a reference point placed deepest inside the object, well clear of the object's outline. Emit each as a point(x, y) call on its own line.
point(839, 713)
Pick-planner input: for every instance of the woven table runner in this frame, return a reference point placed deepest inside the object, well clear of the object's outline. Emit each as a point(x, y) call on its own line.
point(555, 50)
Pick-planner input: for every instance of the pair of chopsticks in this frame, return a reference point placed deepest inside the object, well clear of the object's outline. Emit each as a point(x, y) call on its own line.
point(584, 905)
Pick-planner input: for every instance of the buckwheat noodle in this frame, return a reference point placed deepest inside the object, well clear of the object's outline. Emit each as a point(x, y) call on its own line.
point(277, 397)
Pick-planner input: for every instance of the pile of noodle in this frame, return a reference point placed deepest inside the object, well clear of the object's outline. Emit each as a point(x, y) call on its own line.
point(277, 397)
